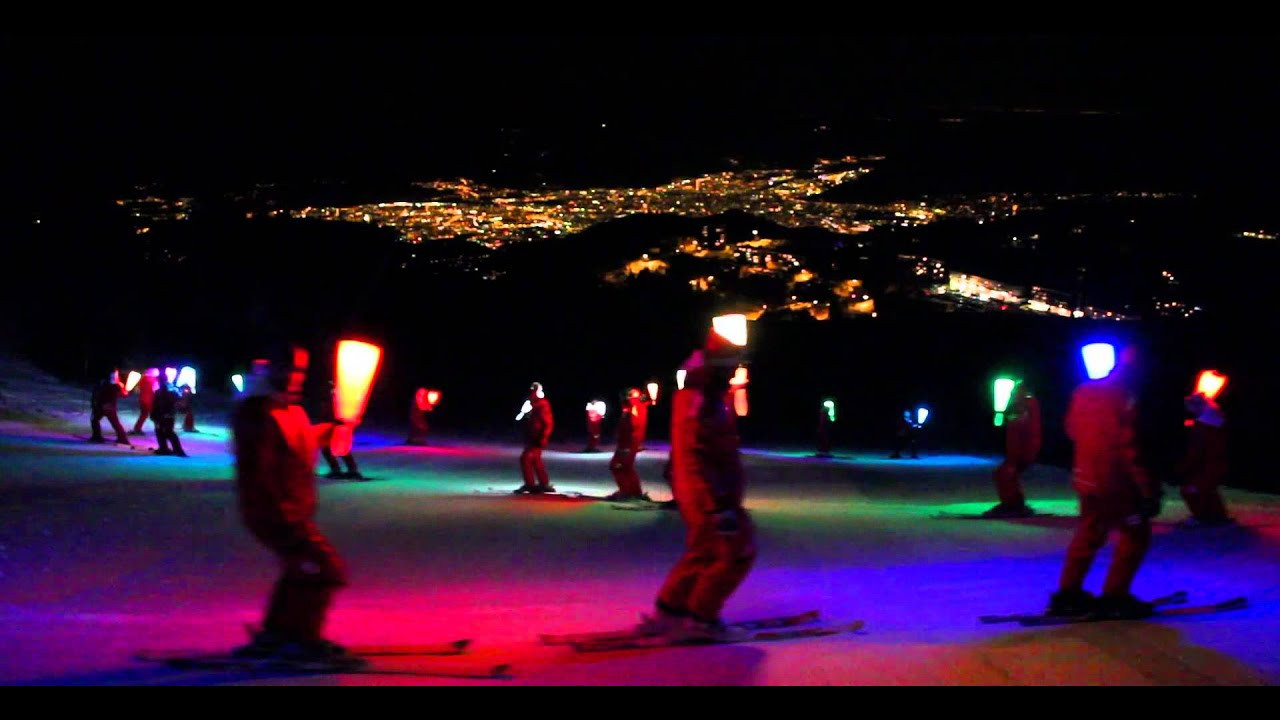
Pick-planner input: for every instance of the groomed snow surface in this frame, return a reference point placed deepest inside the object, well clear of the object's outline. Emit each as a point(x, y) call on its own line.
point(105, 551)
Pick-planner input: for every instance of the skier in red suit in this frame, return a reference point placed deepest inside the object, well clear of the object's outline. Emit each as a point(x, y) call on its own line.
point(1021, 448)
point(537, 431)
point(1205, 465)
point(146, 398)
point(709, 485)
point(275, 449)
point(1116, 495)
point(631, 433)
point(102, 404)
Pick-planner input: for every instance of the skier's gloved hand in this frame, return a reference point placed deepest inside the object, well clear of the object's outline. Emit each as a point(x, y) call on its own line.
point(727, 522)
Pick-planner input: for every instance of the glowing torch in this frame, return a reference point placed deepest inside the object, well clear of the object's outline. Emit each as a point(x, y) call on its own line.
point(357, 366)
point(738, 384)
point(1210, 384)
point(732, 328)
point(1099, 359)
point(1002, 394)
point(187, 376)
point(595, 410)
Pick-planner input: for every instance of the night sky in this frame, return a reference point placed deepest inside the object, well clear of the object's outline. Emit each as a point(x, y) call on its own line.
point(105, 111)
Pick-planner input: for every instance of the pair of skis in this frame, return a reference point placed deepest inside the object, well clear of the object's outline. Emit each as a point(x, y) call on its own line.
point(1171, 605)
point(787, 627)
point(361, 660)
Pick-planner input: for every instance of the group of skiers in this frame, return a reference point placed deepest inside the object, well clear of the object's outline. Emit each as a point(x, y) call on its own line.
point(1117, 492)
point(539, 423)
point(158, 400)
point(276, 443)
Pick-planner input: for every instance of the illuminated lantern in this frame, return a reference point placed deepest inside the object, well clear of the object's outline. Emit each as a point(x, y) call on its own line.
point(738, 383)
point(595, 410)
point(922, 414)
point(238, 381)
point(187, 376)
point(134, 378)
point(357, 365)
point(680, 375)
point(170, 374)
point(1210, 384)
point(433, 397)
point(732, 328)
point(1099, 359)
point(1003, 393)
point(830, 407)
point(153, 373)
point(525, 409)
point(653, 392)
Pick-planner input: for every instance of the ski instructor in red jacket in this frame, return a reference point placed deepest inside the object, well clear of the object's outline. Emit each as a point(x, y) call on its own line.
point(709, 485)
point(275, 475)
point(537, 433)
point(1116, 495)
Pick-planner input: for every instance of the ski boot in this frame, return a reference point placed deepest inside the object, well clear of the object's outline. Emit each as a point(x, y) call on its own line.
point(1071, 603)
point(1005, 510)
point(1123, 607)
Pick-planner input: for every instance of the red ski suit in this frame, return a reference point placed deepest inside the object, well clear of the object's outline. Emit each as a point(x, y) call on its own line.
point(186, 403)
point(1021, 448)
point(418, 426)
point(595, 425)
point(709, 484)
point(146, 396)
point(275, 473)
point(102, 404)
point(1203, 469)
point(631, 430)
point(1110, 482)
point(537, 433)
